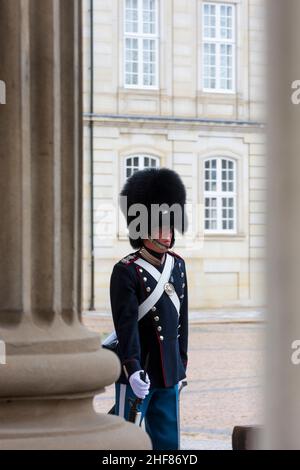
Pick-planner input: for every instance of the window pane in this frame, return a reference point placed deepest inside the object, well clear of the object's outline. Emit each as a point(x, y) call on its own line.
point(228, 214)
point(149, 16)
point(210, 176)
point(226, 70)
point(131, 16)
point(210, 213)
point(139, 162)
point(131, 61)
point(226, 23)
point(227, 176)
point(149, 62)
point(209, 21)
point(218, 36)
point(209, 65)
point(140, 21)
point(219, 208)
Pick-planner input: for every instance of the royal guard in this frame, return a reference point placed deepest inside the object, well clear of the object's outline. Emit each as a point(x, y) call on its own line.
point(149, 301)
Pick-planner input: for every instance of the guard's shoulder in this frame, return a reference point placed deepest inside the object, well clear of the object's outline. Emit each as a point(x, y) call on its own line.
point(175, 255)
point(129, 259)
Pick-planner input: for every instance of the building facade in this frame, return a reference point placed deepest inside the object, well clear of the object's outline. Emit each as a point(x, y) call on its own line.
point(178, 83)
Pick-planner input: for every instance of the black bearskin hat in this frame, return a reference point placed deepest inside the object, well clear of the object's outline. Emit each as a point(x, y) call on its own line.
point(155, 186)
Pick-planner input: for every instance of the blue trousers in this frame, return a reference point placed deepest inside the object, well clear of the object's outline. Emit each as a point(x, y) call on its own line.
point(160, 412)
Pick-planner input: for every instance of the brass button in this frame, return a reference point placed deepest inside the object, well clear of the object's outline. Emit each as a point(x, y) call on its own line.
point(156, 318)
point(153, 309)
point(159, 328)
point(161, 338)
point(148, 289)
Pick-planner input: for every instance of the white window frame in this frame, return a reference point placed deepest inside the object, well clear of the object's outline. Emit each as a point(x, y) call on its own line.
point(140, 36)
point(219, 194)
point(218, 41)
point(141, 162)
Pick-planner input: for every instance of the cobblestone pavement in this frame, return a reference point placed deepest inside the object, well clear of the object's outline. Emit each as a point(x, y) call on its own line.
point(224, 381)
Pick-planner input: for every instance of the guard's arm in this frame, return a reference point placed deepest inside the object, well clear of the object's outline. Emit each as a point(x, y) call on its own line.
point(124, 305)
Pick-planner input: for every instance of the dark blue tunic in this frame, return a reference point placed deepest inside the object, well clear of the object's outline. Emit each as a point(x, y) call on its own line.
point(161, 333)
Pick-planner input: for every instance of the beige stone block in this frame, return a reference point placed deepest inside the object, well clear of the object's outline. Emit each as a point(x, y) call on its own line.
point(257, 206)
point(103, 180)
point(221, 265)
point(183, 135)
point(103, 156)
point(184, 107)
point(258, 160)
point(103, 192)
point(257, 242)
point(258, 172)
point(257, 230)
point(257, 195)
point(146, 106)
point(219, 109)
point(184, 170)
point(103, 168)
point(257, 252)
point(257, 218)
point(182, 158)
point(106, 132)
point(257, 183)
point(220, 287)
point(258, 149)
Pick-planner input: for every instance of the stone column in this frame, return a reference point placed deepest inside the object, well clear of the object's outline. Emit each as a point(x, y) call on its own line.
point(54, 365)
point(283, 233)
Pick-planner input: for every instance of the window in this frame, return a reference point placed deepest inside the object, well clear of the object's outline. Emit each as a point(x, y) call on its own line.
point(141, 44)
point(219, 195)
point(218, 58)
point(140, 162)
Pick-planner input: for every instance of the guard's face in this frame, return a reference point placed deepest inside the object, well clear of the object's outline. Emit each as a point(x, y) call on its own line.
point(164, 236)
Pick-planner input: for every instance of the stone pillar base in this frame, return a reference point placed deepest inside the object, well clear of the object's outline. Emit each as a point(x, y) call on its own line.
point(68, 423)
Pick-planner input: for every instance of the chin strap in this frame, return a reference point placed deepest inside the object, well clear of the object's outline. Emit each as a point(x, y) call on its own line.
point(158, 244)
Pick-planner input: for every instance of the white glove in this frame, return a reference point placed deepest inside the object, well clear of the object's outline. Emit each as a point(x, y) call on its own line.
point(139, 387)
